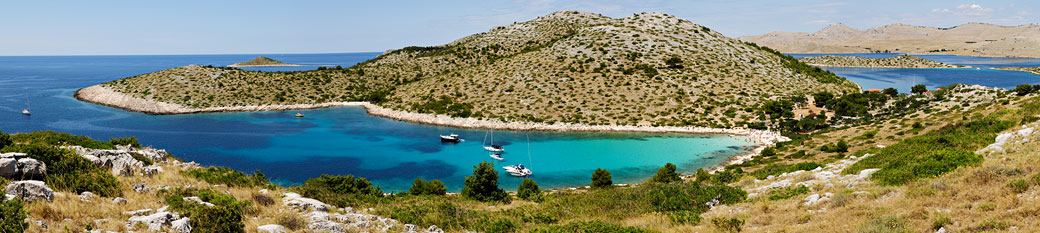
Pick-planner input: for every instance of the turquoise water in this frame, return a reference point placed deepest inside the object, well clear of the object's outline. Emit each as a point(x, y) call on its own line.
point(342, 140)
point(903, 79)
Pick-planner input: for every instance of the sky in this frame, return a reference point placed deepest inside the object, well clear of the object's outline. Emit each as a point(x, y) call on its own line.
point(108, 27)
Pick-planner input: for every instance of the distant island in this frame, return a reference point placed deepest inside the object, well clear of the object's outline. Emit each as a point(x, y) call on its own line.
point(1033, 70)
point(972, 39)
point(261, 61)
point(903, 61)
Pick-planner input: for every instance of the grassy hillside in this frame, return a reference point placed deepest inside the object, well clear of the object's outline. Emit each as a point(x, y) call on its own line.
point(568, 66)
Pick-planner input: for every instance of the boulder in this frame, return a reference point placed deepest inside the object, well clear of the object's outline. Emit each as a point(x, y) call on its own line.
point(140, 212)
point(30, 190)
point(8, 167)
point(271, 228)
point(151, 170)
point(409, 228)
point(814, 199)
point(154, 222)
point(865, 173)
point(182, 225)
point(297, 202)
point(86, 196)
point(326, 226)
point(141, 188)
point(31, 168)
point(119, 162)
point(13, 155)
point(434, 229)
point(198, 200)
point(119, 200)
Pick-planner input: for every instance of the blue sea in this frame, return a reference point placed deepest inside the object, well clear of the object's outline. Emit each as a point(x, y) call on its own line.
point(340, 140)
point(903, 79)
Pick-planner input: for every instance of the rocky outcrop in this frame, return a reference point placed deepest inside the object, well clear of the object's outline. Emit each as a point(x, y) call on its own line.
point(8, 167)
point(30, 190)
point(154, 222)
point(891, 62)
point(151, 170)
point(271, 228)
point(182, 225)
point(121, 162)
point(19, 166)
point(31, 168)
point(300, 203)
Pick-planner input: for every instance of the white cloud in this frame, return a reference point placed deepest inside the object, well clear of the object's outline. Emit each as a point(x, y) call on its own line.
point(937, 10)
point(970, 10)
point(972, 6)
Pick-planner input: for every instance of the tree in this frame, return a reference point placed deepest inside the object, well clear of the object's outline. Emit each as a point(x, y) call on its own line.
point(778, 109)
point(1023, 89)
point(918, 89)
point(421, 187)
point(601, 179)
point(821, 98)
point(674, 62)
point(529, 190)
point(666, 174)
point(483, 185)
point(891, 91)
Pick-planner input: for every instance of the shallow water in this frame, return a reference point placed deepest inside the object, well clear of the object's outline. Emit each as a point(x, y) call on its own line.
point(341, 140)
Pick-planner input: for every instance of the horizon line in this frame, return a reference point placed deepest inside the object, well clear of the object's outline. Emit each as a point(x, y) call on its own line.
point(178, 54)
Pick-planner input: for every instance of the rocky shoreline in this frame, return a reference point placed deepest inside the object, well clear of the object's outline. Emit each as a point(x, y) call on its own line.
point(1031, 70)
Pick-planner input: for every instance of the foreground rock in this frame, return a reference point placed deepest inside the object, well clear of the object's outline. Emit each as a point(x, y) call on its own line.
point(19, 166)
point(121, 162)
point(156, 222)
point(271, 228)
point(296, 202)
point(30, 190)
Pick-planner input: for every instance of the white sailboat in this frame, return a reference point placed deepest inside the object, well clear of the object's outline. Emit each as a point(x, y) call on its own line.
point(26, 110)
point(519, 169)
point(492, 147)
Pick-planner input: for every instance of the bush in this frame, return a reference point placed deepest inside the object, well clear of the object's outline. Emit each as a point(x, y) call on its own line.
point(887, 224)
point(125, 141)
point(5, 139)
point(224, 216)
point(918, 89)
point(1018, 185)
point(601, 179)
point(262, 199)
point(589, 227)
point(702, 175)
point(931, 154)
point(421, 187)
point(483, 185)
point(529, 190)
point(291, 220)
point(891, 91)
point(787, 192)
point(140, 157)
point(1023, 89)
point(941, 220)
point(727, 224)
point(339, 190)
point(60, 139)
point(768, 152)
point(666, 174)
point(500, 226)
point(229, 177)
point(67, 171)
point(841, 147)
point(12, 215)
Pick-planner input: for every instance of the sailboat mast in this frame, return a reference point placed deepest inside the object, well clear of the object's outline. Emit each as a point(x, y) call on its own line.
point(529, 150)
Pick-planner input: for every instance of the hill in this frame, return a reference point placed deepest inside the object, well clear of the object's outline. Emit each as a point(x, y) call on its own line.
point(972, 39)
point(260, 61)
point(904, 61)
point(568, 66)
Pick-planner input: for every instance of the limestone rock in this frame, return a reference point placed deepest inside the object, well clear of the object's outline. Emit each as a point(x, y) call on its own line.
point(31, 168)
point(140, 212)
point(409, 228)
point(297, 202)
point(434, 229)
point(119, 200)
point(8, 167)
point(815, 199)
point(271, 228)
point(30, 190)
point(155, 221)
point(119, 162)
point(86, 196)
point(182, 225)
point(141, 188)
point(151, 170)
point(865, 173)
point(198, 200)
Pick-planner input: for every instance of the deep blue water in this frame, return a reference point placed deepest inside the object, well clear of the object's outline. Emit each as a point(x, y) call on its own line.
point(903, 79)
point(342, 140)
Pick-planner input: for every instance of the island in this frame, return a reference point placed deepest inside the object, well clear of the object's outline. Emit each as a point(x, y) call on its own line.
point(1033, 70)
point(903, 61)
point(261, 61)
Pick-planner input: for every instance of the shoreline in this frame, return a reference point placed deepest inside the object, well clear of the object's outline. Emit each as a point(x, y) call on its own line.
point(105, 96)
point(889, 67)
point(1016, 69)
point(279, 65)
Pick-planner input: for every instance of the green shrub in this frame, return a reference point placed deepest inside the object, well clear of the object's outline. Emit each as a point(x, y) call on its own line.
point(601, 179)
point(421, 187)
point(886, 224)
point(340, 190)
point(229, 177)
point(224, 216)
point(483, 185)
point(140, 157)
point(589, 227)
point(77, 174)
point(940, 220)
point(529, 190)
point(125, 141)
point(787, 192)
point(990, 225)
point(1018, 185)
point(666, 174)
point(60, 139)
point(12, 215)
point(702, 176)
point(841, 147)
point(5, 139)
point(500, 226)
point(768, 152)
point(444, 105)
point(931, 154)
point(728, 224)
point(1035, 179)
point(1023, 89)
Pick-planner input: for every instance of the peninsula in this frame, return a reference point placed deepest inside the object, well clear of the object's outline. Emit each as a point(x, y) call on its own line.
point(971, 39)
point(904, 61)
point(1033, 70)
point(260, 61)
point(570, 67)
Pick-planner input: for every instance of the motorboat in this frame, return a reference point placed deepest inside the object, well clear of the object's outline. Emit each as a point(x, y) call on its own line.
point(451, 138)
point(497, 156)
point(299, 114)
point(518, 170)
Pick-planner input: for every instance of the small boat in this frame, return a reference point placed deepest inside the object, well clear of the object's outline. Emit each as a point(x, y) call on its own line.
point(26, 110)
point(518, 170)
point(493, 147)
point(299, 114)
point(497, 156)
point(451, 138)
